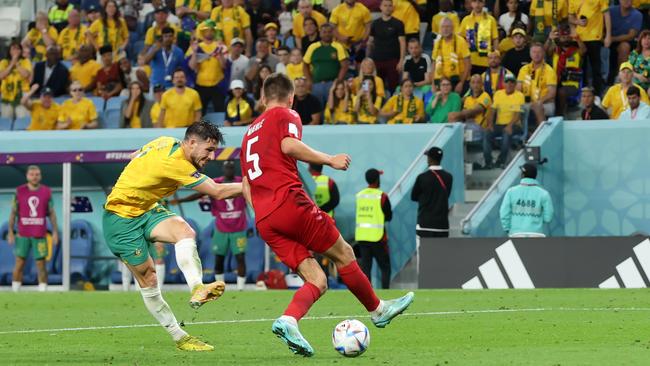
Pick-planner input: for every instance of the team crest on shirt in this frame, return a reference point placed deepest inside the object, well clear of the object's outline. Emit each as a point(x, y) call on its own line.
point(196, 174)
point(138, 252)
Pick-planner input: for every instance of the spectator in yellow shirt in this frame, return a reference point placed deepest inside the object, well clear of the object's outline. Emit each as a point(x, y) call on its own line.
point(158, 91)
point(404, 107)
point(615, 100)
point(504, 119)
point(480, 31)
point(591, 20)
point(77, 113)
point(207, 59)
point(136, 109)
point(494, 77)
point(339, 108)
point(446, 11)
point(73, 36)
point(233, 22)
point(351, 26)
point(111, 30)
point(85, 69)
point(408, 12)
point(538, 82)
point(40, 37)
point(180, 106)
point(295, 68)
point(305, 10)
point(368, 71)
point(44, 112)
point(15, 74)
point(451, 57)
point(367, 103)
point(154, 33)
point(475, 105)
point(239, 108)
point(543, 16)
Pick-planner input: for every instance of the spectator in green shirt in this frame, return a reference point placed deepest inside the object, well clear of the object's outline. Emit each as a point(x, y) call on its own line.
point(443, 102)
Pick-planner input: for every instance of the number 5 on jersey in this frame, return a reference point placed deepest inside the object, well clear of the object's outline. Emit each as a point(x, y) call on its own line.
point(256, 172)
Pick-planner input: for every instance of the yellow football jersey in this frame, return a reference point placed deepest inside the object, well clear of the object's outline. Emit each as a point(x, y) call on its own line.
point(157, 171)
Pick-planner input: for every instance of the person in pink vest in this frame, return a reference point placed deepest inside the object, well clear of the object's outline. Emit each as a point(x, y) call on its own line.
point(231, 226)
point(32, 204)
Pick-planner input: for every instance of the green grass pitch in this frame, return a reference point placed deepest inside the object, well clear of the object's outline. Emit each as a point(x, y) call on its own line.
point(510, 327)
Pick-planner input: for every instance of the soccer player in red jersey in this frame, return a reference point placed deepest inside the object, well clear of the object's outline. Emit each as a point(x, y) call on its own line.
point(289, 221)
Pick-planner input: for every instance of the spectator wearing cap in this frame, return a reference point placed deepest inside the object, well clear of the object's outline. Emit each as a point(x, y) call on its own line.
point(538, 82)
point(51, 73)
point(109, 81)
point(404, 108)
point(326, 194)
point(109, 30)
point(180, 106)
point(387, 45)
point(519, 56)
point(626, 24)
point(590, 111)
point(85, 69)
point(154, 33)
point(305, 11)
point(262, 57)
point(325, 62)
point(72, 36)
point(476, 105)
point(44, 111)
point(92, 14)
point(526, 207)
point(451, 57)
point(164, 58)
point(239, 108)
point(237, 60)
point(545, 15)
point(615, 99)
point(59, 13)
point(78, 112)
point(408, 12)
point(636, 110)
point(494, 77)
point(233, 22)
point(504, 119)
point(40, 37)
point(567, 54)
point(158, 91)
point(351, 21)
point(207, 59)
point(136, 109)
point(593, 25)
point(480, 31)
point(431, 191)
point(271, 34)
point(308, 106)
point(373, 210)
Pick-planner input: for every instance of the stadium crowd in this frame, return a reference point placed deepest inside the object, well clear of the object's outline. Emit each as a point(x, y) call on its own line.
point(500, 66)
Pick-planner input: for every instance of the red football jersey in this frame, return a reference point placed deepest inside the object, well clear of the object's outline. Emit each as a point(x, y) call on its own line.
point(271, 174)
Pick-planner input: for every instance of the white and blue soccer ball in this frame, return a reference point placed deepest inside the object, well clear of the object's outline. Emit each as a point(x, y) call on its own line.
point(350, 338)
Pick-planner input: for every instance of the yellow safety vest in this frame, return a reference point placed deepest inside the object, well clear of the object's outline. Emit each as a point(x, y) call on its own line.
point(572, 70)
point(57, 15)
point(370, 216)
point(322, 193)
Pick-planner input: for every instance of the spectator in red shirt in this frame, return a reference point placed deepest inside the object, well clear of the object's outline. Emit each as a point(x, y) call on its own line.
point(109, 81)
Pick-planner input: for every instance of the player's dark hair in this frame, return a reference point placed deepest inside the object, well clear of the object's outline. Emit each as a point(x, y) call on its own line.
point(167, 30)
point(204, 130)
point(633, 90)
point(278, 87)
point(316, 167)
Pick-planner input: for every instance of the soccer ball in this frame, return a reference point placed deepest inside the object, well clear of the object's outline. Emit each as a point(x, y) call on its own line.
point(350, 338)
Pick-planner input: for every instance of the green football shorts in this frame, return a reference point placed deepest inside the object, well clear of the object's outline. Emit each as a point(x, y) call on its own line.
point(222, 242)
point(38, 245)
point(129, 239)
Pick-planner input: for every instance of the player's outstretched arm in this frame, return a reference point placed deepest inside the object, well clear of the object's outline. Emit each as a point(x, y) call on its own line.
point(300, 151)
point(219, 191)
point(246, 191)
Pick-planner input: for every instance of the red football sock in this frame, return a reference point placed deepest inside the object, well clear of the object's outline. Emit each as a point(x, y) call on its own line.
point(302, 300)
point(359, 285)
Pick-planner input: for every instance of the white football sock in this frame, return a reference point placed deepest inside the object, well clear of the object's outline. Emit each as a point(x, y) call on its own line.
point(219, 277)
point(289, 319)
point(15, 286)
point(188, 261)
point(157, 306)
point(241, 282)
point(379, 310)
point(42, 287)
point(160, 273)
point(126, 277)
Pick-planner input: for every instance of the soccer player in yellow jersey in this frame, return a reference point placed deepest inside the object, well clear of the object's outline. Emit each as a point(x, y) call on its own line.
point(133, 218)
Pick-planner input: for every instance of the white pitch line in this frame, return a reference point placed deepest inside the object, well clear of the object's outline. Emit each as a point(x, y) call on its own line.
point(430, 313)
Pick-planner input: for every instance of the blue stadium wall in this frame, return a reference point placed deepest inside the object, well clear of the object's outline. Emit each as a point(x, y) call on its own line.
point(392, 149)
